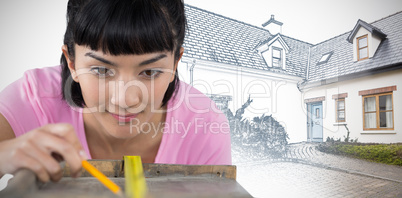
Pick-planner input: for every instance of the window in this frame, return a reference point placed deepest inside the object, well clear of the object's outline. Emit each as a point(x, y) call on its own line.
point(325, 58)
point(276, 57)
point(378, 112)
point(362, 48)
point(340, 109)
point(221, 101)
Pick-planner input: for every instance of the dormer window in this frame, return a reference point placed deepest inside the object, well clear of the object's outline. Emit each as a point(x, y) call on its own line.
point(365, 39)
point(362, 46)
point(274, 51)
point(276, 57)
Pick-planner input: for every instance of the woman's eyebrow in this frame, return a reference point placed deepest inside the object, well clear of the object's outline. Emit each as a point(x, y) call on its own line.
point(92, 55)
point(152, 60)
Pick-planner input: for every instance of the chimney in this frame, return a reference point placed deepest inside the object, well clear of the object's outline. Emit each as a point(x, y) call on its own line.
point(273, 26)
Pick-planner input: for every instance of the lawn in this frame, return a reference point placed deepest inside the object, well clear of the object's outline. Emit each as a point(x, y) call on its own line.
point(382, 153)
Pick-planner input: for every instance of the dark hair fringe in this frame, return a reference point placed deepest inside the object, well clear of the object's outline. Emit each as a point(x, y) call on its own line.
point(122, 27)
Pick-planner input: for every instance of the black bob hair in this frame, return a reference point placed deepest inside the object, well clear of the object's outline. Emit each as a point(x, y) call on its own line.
point(122, 27)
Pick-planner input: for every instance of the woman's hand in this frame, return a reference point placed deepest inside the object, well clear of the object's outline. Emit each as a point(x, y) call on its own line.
point(40, 149)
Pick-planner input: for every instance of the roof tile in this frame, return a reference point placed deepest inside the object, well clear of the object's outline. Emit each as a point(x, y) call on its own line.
point(214, 37)
point(388, 52)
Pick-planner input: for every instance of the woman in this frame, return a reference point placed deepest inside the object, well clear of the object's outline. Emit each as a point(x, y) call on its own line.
point(117, 92)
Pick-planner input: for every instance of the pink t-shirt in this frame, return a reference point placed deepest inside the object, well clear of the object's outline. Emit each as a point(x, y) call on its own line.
point(195, 131)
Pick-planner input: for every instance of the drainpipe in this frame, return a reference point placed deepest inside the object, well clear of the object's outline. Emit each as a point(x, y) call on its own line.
point(192, 72)
point(307, 69)
point(308, 62)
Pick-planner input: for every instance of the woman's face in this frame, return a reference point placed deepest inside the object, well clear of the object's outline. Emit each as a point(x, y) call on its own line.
point(124, 93)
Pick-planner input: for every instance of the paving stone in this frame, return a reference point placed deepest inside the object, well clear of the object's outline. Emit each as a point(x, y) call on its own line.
point(307, 172)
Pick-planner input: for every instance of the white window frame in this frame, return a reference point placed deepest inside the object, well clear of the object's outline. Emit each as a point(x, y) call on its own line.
point(280, 59)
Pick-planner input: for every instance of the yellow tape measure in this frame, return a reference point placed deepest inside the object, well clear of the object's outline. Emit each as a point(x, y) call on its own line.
point(136, 186)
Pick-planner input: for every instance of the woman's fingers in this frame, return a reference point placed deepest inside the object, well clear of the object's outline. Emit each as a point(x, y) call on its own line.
point(61, 141)
point(49, 163)
point(26, 161)
point(40, 150)
point(66, 132)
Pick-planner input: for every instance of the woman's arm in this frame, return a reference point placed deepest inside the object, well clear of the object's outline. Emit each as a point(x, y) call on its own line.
point(6, 130)
point(38, 149)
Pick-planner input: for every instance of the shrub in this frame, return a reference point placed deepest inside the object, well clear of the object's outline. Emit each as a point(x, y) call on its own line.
point(383, 153)
point(259, 138)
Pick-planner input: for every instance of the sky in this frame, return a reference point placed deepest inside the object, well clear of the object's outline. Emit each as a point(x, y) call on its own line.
point(32, 31)
point(312, 21)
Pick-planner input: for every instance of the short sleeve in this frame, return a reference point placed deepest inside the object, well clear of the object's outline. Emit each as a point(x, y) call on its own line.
point(17, 103)
point(35, 100)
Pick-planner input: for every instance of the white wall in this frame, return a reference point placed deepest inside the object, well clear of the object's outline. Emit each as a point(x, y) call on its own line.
point(31, 36)
point(270, 95)
point(354, 110)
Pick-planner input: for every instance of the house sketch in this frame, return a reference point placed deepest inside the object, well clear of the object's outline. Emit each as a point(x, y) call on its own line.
point(348, 83)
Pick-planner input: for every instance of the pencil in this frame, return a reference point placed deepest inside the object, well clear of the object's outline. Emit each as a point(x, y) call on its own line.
point(101, 177)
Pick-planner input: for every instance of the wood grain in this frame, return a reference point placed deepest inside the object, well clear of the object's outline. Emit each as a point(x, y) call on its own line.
point(163, 180)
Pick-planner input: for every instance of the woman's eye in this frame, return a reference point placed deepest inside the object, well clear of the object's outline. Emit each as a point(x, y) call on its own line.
point(102, 71)
point(151, 73)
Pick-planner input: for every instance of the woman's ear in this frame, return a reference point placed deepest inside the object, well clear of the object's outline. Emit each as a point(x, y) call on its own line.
point(70, 63)
point(177, 63)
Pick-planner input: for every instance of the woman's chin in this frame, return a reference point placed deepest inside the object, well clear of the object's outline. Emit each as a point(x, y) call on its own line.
point(123, 131)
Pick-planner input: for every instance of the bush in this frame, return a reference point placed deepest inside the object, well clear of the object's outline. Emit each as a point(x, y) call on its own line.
point(383, 153)
point(261, 137)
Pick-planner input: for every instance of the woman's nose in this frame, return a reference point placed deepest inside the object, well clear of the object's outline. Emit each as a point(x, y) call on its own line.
point(127, 94)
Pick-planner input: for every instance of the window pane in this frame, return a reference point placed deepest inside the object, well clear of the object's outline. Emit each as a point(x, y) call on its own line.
point(276, 62)
point(370, 120)
point(363, 53)
point(276, 53)
point(323, 58)
point(369, 104)
point(317, 113)
point(341, 115)
point(386, 119)
point(363, 42)
point(341, 104)
point(385, 102)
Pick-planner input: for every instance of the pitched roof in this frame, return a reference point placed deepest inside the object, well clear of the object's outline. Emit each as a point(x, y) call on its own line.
point(341, 63)
point(214, 37)
point(217, 38)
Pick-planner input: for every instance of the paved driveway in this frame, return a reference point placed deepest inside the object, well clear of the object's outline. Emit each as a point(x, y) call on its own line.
point(306, 172)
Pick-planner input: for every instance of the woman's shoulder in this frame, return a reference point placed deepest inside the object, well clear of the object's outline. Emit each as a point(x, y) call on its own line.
point(44, 82)
point(35, 98)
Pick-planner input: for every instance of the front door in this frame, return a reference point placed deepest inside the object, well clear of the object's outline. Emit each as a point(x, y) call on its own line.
point(315, 122)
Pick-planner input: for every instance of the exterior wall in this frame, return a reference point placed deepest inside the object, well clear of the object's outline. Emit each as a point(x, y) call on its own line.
point(354, 107)
point(373, 43)
point(271, 93)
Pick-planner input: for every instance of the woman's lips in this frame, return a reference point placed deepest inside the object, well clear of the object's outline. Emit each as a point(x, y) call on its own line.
point(124, 118)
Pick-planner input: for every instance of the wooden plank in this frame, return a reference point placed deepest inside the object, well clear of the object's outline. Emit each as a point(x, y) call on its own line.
point(166, 186)
point(220, 171)
point(163, 180)
point(110, 168)
point(114, 168)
